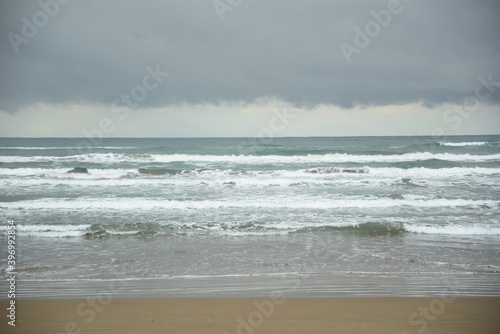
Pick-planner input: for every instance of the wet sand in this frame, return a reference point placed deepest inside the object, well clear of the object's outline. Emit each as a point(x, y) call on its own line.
point(274, 314)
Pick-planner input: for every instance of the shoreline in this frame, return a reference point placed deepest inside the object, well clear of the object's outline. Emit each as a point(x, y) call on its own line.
point(293, 285)
point(272, 314)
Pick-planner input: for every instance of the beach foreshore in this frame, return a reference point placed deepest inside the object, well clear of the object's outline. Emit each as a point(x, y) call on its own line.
point(272, 314)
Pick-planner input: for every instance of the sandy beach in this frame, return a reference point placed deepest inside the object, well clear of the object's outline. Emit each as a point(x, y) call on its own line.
point(275, 314)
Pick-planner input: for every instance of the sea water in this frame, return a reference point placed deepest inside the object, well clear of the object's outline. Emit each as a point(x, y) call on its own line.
point(355, 215)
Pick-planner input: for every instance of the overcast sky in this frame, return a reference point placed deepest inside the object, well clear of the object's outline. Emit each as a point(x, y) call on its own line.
point(229, 67)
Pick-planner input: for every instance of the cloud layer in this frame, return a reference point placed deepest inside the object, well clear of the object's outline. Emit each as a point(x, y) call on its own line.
point(91, 52)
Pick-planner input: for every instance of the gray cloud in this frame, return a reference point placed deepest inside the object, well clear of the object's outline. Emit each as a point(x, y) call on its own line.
point(93, 51)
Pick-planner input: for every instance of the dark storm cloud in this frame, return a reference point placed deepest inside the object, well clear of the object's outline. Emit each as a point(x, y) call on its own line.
point(93, 51)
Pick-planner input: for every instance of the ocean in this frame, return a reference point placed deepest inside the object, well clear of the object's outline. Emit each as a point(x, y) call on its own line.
point(234, 216)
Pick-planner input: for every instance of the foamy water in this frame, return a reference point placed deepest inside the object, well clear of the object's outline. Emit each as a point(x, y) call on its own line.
point(165, 208)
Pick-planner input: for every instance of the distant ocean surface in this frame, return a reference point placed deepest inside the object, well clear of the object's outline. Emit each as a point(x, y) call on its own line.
point(409, 208)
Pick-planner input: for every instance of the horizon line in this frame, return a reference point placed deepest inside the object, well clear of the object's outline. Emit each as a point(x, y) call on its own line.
point(246, 137)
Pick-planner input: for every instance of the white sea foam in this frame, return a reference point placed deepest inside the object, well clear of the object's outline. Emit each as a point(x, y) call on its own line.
point(319, 173)
point(34, 181)
point(454, 229)
point(140, 203)
point(62, 148)
point(478, 143)
point(417, 172)
point(111, 158)
point(53, 230)
point(62, 173)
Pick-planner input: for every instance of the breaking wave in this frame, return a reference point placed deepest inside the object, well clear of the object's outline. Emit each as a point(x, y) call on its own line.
point(112, 158)
point(463, 144)
point(151, 229)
